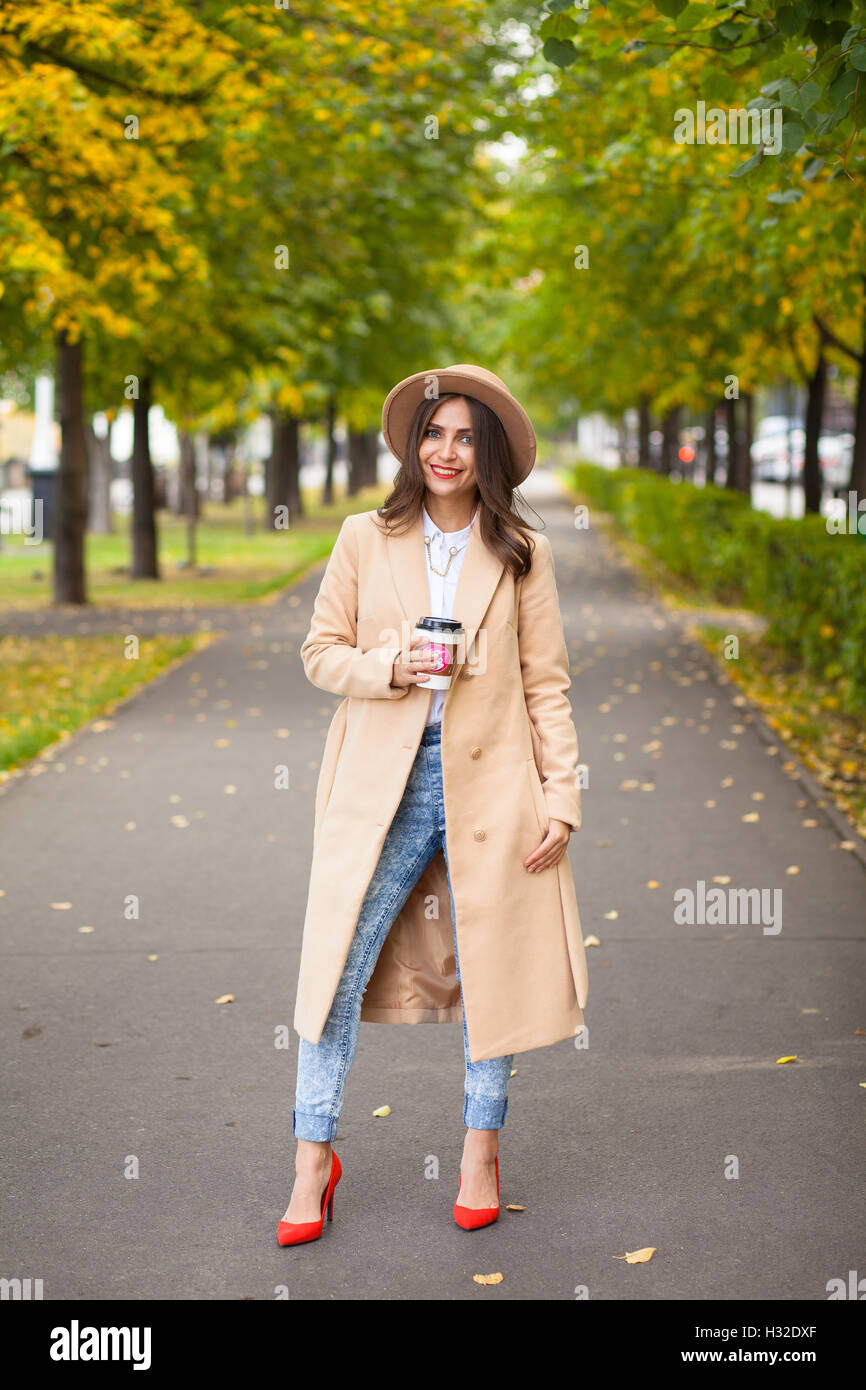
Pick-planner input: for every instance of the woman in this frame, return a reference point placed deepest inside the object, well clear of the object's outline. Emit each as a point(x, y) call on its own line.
point(440, 889)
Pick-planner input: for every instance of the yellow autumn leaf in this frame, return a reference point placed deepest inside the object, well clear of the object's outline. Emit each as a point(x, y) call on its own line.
point(610, 916)
point(487, 1278)
point(786, 1059)
point(638, 1257)
point(515, 1206)
point(383, 1110)
point(225, 999)
point(591, 941)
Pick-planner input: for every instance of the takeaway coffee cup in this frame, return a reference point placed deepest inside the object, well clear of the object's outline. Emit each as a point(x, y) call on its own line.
point(443, 635)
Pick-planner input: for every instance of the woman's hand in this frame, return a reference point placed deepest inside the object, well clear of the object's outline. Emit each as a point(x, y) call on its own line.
point(551, 849)
point(416, 670)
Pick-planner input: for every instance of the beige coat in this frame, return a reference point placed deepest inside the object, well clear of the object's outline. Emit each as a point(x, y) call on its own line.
point(509, 762)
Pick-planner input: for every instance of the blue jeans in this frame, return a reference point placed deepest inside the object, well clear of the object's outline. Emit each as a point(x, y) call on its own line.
point(415, 834)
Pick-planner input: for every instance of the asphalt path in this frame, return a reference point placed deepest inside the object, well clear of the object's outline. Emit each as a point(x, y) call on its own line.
point(147, 1143)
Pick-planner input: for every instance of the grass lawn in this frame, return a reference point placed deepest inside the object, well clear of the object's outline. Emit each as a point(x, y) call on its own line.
point(53, 684)
point(236, 562)
point(236, 559)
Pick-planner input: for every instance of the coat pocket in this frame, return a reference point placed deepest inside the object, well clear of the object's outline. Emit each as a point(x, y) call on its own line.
point(537, 796)
point(330, 761)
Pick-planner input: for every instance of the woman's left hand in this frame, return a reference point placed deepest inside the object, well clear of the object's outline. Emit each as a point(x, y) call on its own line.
point(551, 849)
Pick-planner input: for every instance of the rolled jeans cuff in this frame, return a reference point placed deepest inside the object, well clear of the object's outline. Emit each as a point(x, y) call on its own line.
point(319, 1129)
point(484, 1112)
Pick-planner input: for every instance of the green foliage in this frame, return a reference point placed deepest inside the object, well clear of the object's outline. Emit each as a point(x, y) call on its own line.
point(807, 582)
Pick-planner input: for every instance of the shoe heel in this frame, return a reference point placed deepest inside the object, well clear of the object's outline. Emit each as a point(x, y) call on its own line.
point(331, 1208)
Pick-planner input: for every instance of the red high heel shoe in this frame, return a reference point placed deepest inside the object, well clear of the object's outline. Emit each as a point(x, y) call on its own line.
point(297, 1232)
point(470, 1218)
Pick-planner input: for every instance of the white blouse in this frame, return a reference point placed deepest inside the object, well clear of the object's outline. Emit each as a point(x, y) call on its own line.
point(442, 587)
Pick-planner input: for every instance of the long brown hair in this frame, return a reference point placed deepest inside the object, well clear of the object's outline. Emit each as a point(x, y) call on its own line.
point(502, 530)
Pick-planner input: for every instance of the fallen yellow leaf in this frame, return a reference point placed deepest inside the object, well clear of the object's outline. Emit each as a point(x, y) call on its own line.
point(591, 941)
point(786, 1059)
point(225, 999)
point(638, 1257)
point(383, 1110)
point(610, 916)
point(487, 1278)
point(513, 1206)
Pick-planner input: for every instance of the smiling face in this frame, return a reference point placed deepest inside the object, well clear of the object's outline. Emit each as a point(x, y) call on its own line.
point(447, 451)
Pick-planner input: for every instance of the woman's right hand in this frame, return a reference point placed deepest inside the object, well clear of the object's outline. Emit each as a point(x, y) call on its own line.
point(417, 669)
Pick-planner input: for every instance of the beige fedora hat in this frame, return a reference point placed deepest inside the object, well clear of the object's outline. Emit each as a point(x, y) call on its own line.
point(464, 379)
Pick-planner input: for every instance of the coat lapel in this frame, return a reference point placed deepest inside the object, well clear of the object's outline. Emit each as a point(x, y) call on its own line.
point(479, 575)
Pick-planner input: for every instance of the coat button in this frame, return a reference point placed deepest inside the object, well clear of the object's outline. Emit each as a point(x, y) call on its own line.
point(475, 753)
point(481, 834)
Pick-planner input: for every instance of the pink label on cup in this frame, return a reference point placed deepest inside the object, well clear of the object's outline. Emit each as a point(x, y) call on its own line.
point(440, 654)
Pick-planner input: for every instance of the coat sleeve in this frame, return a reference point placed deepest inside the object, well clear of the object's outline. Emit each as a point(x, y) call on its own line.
point(546, 682)
point(331, 659)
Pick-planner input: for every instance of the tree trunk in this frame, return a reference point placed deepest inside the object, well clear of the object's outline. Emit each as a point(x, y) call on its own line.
point(857, 481)
point(100, 471)
point(230, 482)
point(362, 454)
point(710, 447)
point(371, 456)
point(331, 446)
point(744, 477)
point(670, 440)
point(188, 494)
point(144, 555)
point(70, 505)
point(283, 488)
point(812, 481)
point(733, 446)
point(644, 459)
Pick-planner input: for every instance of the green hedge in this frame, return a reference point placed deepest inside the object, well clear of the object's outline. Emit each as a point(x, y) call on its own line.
point(811, 585)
